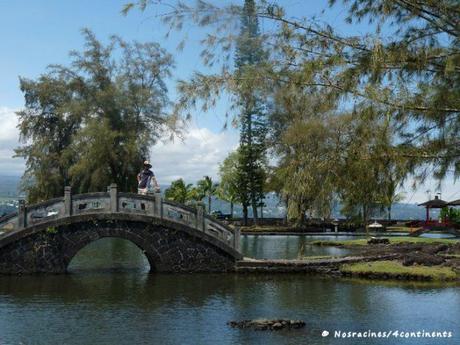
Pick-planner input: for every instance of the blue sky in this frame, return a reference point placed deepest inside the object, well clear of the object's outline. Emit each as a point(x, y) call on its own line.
point(37, 33)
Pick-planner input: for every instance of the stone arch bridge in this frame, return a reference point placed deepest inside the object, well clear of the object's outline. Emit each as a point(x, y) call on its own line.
point(43, 238)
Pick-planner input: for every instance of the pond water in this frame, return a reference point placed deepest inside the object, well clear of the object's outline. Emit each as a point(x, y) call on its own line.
point(290, 247)
point(426, 234)
point(297, 246)
point(437, 235)
point(109, 298)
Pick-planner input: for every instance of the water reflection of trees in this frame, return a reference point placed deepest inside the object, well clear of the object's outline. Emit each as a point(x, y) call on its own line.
point(204, 303)
point(285, 247)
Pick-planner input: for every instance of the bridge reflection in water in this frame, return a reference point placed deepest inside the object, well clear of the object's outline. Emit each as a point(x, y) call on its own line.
point(175, 238)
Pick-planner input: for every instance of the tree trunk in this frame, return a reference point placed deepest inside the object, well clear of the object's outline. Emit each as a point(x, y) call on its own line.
point(365, 215)
point(302, 217)
point(254, 213)
point(261, 211)
point(209, 204)
point(231, 209)
point(251, 157)
point(286, 214)
point(389, 213)
point(245, 215)
point(301, 220)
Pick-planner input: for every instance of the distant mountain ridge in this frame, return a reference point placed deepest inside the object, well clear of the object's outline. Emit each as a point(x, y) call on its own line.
point(9, 186)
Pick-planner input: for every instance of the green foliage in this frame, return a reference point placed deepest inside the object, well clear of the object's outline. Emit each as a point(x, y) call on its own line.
point(351, 116)
point(92, 123)
point(207, 188)
point(308, 168)
point(252, 120)
point(410, 76)
point(393, 240)
point(180, 192)
point(229, 188)
point(331, 158)
point(395, 269)
point(51, 230)
point(184, 193)
point(451, 214)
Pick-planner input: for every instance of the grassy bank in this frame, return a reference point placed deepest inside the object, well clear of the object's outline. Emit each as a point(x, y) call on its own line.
point(269, 228)
point(393, 240)
point(399, 229)
point(395, 270)
point(318, 257)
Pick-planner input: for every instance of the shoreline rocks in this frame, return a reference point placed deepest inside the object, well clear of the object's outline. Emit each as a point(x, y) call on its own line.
point(267, 325)
point(416, 255)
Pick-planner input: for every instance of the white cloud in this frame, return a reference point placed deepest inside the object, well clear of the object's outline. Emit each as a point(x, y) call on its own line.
point(9, 140)
point(448, 190)
point(198, 154)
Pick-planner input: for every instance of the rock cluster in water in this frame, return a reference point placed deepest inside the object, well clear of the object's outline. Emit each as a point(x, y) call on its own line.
point(268, 325)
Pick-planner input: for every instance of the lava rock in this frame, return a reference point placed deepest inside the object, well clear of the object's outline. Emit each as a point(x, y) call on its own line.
point(436, 249)
point(421, 258)
point(375, 240)
point(267, 325)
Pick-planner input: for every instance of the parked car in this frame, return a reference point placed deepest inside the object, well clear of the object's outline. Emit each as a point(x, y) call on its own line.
point(219, 215)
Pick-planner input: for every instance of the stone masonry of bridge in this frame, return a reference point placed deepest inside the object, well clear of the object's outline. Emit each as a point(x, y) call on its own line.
point(174, 238)
point(167, 248)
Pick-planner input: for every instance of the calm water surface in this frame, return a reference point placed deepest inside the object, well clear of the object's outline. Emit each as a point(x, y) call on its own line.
point(109, 298)
point(289, 247)
point(295, 246)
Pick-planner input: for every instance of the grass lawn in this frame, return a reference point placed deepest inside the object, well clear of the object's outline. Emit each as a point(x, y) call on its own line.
point(277, 228)
point(393, 240)
point(399, 229)
point(318, 257)
point(394, 269)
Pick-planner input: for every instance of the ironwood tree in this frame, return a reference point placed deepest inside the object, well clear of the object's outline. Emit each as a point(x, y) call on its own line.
point(230, 189)
point(92, 123)
point(405, 69)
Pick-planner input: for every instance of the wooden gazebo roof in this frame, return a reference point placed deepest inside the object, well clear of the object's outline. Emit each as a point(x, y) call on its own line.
point(435, 203)
point(454, 203)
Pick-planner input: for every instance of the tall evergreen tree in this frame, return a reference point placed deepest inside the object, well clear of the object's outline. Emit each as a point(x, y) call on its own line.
point(253, 124)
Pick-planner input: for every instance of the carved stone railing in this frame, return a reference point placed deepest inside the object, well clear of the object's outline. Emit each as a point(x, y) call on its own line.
point(114, 202)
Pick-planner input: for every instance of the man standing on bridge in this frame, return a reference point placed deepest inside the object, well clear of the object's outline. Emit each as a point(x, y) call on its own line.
point(145, 179)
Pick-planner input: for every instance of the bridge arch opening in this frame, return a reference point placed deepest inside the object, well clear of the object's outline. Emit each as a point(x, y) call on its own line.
point(110, 254)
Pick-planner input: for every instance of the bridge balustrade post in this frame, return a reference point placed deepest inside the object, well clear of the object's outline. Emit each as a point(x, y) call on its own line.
point(22, 215)
point(67, 201)
point(158, 211)
point(200, 217)
point(236, 239)
point(113, 197)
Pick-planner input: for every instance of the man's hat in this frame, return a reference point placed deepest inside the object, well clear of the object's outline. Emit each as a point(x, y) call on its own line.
point(147, 164)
